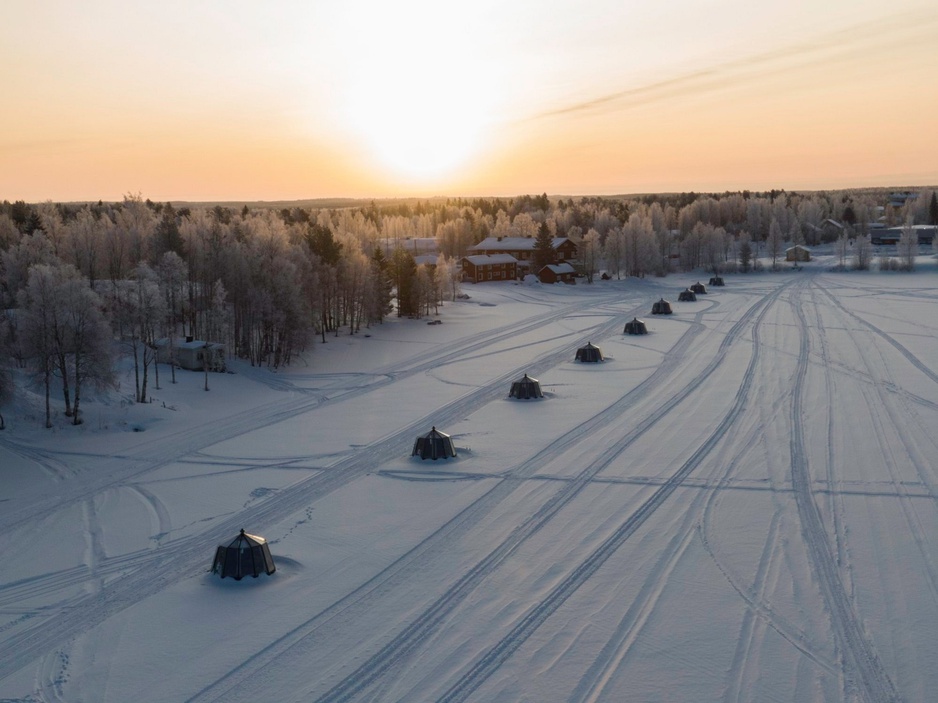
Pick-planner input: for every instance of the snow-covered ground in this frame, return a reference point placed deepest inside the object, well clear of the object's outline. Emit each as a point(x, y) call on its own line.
point(740, 506)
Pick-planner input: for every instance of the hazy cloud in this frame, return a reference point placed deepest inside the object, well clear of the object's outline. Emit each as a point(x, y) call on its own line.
point(899, 32)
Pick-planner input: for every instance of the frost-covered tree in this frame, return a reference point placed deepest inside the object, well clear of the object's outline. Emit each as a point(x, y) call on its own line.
point(907, 247)
point(863, 252)
point(140, 309)
point(63, 331)
point(590, 251)
point(37, 328)
point(6, 362)
point(614, 251)
point(15, 262)
point(842, 249)
point(774, 242)
point(88, 336)
point(745, 252)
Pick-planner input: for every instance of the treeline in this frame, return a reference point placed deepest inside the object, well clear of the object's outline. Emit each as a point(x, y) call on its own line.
point(267, 281)
point(81, 284)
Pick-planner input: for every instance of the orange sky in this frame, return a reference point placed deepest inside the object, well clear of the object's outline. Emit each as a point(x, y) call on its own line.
point(241, 100)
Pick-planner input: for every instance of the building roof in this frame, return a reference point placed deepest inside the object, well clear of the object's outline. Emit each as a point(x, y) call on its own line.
point(560, 268)
point(181, 343)
point(484, 259)
point(513, 243)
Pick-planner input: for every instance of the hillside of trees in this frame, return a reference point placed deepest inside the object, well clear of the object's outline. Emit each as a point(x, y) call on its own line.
point(84, 283)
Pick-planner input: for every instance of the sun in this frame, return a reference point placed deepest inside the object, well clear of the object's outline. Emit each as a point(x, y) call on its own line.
point(412, 88)
point(418, 135)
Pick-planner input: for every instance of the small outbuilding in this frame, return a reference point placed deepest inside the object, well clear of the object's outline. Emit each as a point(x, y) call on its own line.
point(526, 388)
point(797, 253)
point(434, 445)
point(661, 307)
point(247, 555)
point(557, 273)
point(686, 296)
point(589, 353)
point(699, 288)
point(717, 281)
point(190, 353)
point(635, 326)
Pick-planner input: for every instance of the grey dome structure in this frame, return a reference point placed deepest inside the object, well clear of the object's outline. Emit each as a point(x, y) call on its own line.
point(589, 353)
point(635, 326)
point(661, 307)
point(686, 296)
point(717, 281)
point(699, 288)
point(247, 555)
point(526, 388)
point(434, 445)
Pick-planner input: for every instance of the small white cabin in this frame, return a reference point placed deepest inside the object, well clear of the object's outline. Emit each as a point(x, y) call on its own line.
point(191, 354)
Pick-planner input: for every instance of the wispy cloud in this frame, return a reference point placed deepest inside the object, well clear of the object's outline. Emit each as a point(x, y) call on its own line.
point(899, 32)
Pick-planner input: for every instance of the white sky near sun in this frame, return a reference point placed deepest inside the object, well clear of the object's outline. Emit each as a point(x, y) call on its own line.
point(273, 100)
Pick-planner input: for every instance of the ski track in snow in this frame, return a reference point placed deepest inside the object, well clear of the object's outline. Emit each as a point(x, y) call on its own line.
point(862, 663)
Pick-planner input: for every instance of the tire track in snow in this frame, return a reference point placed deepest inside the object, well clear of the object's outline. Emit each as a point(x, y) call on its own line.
point(910, 357)
point(485, 666)
point(863, 664)
point(592, 685)
point(876, 397)
point(404, 644)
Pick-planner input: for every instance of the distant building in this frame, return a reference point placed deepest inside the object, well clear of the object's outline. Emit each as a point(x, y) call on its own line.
point(490, 267)
point(899, 200)
point(428, 260)
point(890, 235)
point(522, 248)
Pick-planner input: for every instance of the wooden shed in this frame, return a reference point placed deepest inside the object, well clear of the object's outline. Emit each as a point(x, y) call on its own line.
point(797, 253)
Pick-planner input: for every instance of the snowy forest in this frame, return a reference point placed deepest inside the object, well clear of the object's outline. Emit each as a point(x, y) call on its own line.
point(85, 283)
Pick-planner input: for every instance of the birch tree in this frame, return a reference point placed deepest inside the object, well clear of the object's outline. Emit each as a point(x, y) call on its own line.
point(590, 252)
point(907, 247)
point(863, 252)
point(774, 243)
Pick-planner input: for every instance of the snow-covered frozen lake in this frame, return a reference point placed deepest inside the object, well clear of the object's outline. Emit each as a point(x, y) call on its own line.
point(740, 506)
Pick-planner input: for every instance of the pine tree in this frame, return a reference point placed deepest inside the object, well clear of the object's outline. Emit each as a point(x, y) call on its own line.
point(543, 248)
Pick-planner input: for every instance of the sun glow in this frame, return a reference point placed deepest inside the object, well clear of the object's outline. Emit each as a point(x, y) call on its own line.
point(413, 91)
